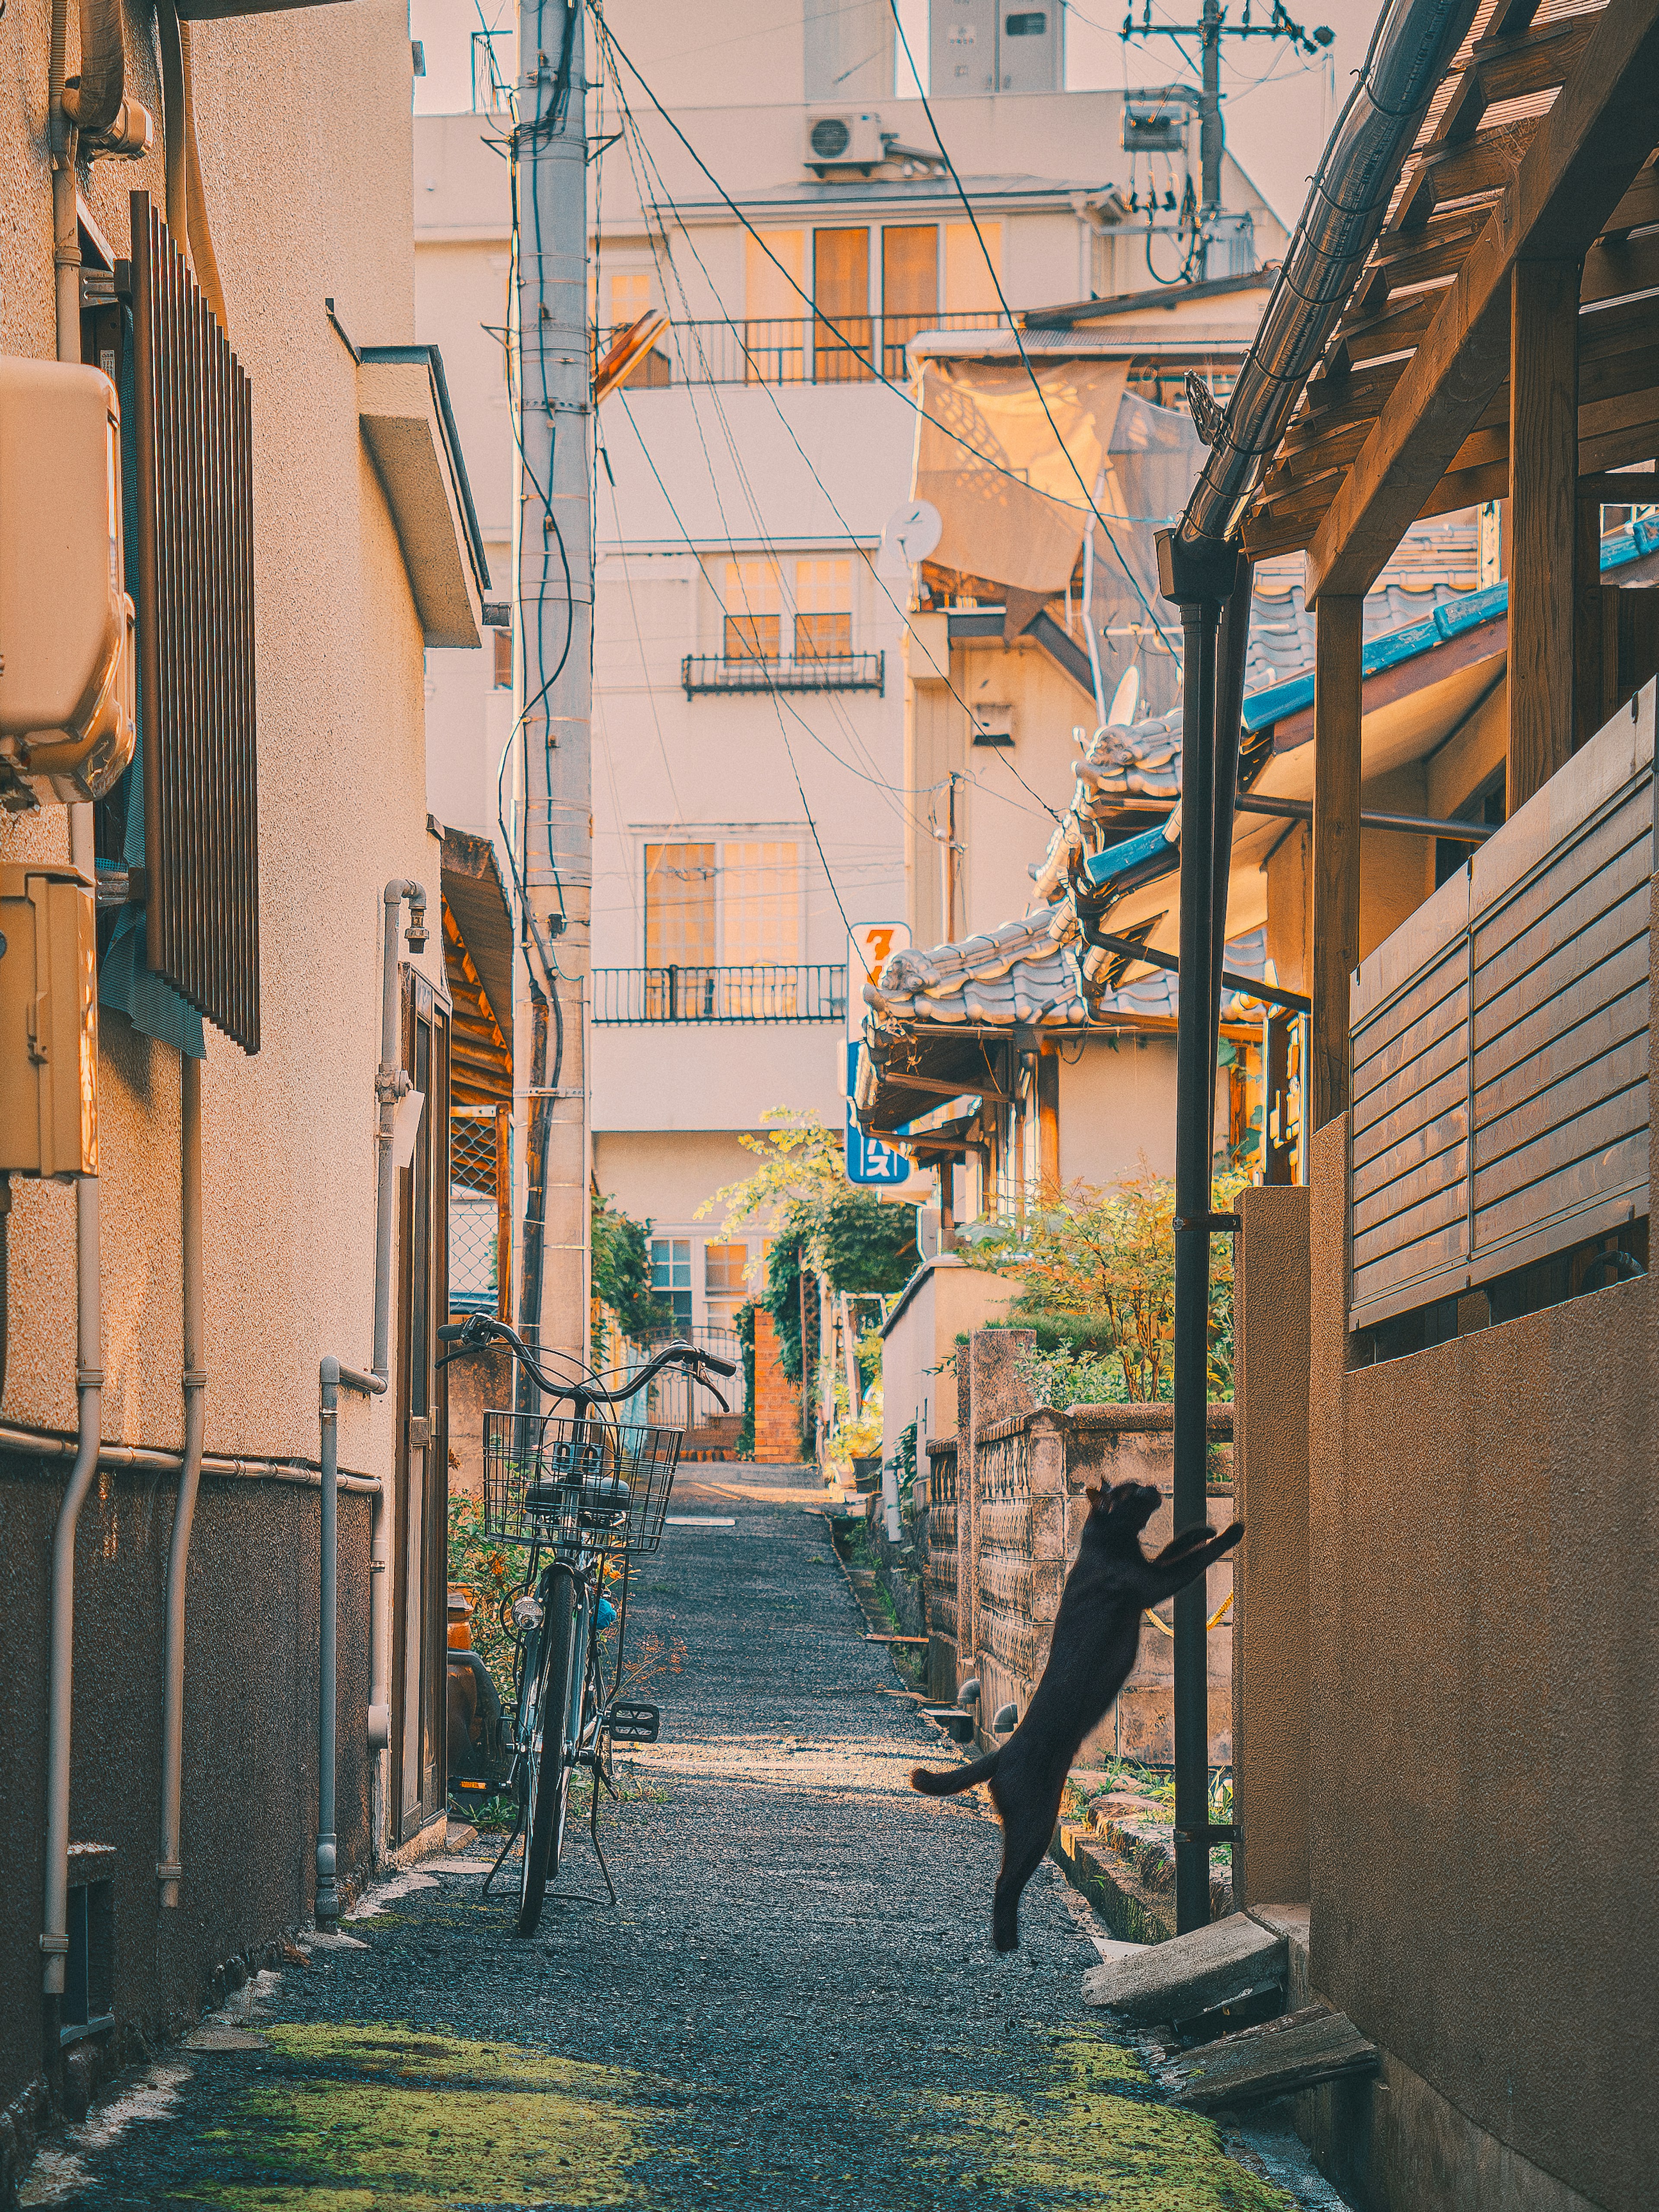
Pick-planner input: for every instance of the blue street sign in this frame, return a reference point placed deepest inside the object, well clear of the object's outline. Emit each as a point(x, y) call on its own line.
point(868, 1160)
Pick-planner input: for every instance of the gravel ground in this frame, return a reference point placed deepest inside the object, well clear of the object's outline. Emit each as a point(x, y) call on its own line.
point(795, 2002)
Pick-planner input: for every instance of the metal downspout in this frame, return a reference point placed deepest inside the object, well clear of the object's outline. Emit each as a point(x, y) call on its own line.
point(390, 1084)
point(169, 1867)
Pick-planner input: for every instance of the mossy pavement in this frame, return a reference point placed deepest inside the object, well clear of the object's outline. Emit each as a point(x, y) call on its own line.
point(794, 2004)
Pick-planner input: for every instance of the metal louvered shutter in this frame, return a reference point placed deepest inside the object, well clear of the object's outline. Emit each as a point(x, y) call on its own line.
point(194, 437)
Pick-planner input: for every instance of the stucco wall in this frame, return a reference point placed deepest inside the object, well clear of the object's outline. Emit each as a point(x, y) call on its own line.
point(1117, 1109)
point(303, 123)
point(249, 1796)
point(1484, 1577)
point(1270, 1571)
point(946, 1297)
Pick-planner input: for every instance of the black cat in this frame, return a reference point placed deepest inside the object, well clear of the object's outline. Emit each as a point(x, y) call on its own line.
point(1097, 1636)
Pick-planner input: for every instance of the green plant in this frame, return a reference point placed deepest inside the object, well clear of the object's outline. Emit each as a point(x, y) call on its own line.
point(621, 1272)
point(489, 1572)
point(745, 1326)
point(1103, 1262)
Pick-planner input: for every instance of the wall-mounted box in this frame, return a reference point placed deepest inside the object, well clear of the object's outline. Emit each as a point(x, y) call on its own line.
point(67, 663)
point(48, 1021)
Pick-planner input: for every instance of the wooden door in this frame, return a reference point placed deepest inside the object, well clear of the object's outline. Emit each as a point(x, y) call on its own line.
point(840, 292)
point(420, 1562)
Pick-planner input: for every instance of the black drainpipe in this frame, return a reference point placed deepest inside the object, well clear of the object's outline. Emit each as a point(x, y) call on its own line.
point(1199, 579)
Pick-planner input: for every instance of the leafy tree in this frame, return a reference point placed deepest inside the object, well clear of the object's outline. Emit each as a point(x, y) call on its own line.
point(621, 1270)
point(1096, 1274)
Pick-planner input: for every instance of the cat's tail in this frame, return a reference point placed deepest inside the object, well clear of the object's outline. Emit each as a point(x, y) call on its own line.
point(955, 1777)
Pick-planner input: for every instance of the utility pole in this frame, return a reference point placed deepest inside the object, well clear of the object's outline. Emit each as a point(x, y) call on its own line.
point(1210, 30)
point(553, 673)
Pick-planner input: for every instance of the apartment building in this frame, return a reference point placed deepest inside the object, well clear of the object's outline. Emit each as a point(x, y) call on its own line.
point(790, 219)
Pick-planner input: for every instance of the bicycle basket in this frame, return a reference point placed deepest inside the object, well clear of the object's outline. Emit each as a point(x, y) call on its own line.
point(586, 1486)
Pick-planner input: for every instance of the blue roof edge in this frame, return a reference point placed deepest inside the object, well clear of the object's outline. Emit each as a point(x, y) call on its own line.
point(1280, 701)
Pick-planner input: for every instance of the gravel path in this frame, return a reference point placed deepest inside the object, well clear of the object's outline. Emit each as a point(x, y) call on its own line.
point(794, 2004)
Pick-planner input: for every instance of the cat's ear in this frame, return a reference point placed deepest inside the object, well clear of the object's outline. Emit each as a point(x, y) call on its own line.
point(1093, 1495)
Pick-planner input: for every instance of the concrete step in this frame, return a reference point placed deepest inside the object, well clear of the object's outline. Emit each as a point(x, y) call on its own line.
point(1192, 1974)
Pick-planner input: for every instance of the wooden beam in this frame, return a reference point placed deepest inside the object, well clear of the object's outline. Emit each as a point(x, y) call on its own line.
point(1587, 717)
point(1584, 157)
point(1543, 521)
point(1338, 678)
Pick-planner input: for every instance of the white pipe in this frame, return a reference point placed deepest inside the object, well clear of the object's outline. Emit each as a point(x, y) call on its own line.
point(1089, 637)
point(169, 1867)
point(390, 1084)
point(89, 1385)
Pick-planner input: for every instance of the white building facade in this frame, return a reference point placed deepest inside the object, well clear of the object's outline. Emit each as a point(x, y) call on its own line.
point(796, 227)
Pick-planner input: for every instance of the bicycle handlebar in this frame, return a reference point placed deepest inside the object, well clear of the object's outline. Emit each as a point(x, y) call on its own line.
point(479, 1329)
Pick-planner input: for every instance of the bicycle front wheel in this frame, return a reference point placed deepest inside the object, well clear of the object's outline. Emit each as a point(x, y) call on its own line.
point(548, 1751)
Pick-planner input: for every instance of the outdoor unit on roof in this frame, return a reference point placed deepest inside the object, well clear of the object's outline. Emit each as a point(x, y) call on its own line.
point(839, 140)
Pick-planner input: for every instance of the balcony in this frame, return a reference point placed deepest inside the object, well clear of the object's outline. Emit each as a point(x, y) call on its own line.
point(749, 995)
point(839, 671)
point(793, 350)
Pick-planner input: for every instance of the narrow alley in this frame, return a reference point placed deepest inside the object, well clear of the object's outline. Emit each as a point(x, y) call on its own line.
point(795, 2004)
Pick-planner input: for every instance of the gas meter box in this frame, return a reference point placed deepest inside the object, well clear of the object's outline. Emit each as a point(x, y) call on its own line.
point(67, 648)
point(48, 1021)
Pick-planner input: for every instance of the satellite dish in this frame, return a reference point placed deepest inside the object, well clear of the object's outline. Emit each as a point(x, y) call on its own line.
point(1125, 700)
point(910, 535)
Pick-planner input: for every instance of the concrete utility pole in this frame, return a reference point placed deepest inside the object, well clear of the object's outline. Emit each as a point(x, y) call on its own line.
point(553, 671)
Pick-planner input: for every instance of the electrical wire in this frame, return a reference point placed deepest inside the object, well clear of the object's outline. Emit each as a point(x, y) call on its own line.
point(652, 200)
point(1019, 339)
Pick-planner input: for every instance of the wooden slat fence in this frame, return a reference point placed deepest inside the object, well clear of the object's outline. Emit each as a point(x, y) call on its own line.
point(1500, 1044)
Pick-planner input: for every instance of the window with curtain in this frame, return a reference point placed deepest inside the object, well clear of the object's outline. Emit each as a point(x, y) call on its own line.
point(774, 287)
point(824, 609)
point(909, 289)
point(754, 610)
point(840, 292)
point(679, 905)
point(969, 287)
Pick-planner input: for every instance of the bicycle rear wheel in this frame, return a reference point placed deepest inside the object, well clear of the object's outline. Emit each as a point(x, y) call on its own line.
point(547, 1751)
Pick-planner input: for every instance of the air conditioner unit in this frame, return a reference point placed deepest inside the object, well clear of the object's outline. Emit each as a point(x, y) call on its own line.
point(838, 139)
point(67, 662)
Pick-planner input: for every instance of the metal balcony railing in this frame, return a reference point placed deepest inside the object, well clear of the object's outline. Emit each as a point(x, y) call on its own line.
point(757, 993)
point(795, 349)
point(838, 671)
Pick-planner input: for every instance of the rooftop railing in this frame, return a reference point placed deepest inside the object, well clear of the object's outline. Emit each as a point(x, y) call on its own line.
point(836, 672)
point(793, 349)
point(754, 994)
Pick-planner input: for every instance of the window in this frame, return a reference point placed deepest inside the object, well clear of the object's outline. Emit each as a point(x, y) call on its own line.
point(840, 292)
point(723, 1269)
point(503, 660)
point(671, 1276)
point(824, 609)
point(754, 622)
point(679, 905)
point(909, 289)
point(629, 296)
point(774, 292)
point(968, 289)
point(714, 914)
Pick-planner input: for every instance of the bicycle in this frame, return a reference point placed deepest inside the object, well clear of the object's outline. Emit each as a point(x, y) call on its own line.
point(585, 1496)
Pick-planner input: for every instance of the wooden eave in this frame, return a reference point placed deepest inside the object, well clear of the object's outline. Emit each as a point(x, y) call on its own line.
point(1539, 146)
point(480, 1056)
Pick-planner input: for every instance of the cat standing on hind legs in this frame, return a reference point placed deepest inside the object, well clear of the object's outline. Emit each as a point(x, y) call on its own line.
point(1097, 1636)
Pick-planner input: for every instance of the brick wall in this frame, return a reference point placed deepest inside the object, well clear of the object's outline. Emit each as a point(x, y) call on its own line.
point(777, 1401)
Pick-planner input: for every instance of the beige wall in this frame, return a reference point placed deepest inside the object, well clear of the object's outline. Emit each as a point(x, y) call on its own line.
point(1117, 1109)
point(1397, 874)
point(1484, 1577)
point(303, 119)
point(1270, 1612)
point(945, 1299)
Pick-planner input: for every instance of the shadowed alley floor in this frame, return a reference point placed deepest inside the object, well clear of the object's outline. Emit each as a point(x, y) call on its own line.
point(795, 2002)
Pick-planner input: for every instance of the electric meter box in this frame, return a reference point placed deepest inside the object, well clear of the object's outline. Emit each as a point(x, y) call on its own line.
point(67, 647)
point(48, 1021)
